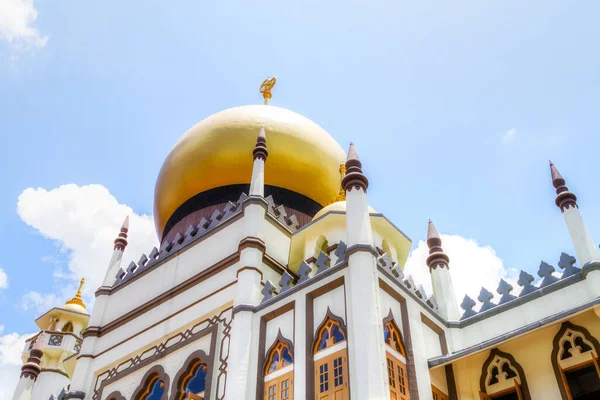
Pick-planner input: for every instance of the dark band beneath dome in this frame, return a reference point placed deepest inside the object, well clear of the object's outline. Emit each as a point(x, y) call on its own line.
point(223, 194)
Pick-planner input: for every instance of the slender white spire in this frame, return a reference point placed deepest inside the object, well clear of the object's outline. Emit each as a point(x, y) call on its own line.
point(117, 256)
point(260, 153)
point(586, 249)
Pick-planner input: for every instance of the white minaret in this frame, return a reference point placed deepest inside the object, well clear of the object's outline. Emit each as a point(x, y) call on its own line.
point(115, 261)
point(585, 248)
point(30, 370)
point(365, 320)
point(82, 376)
point(443, 290)
point(239, 386)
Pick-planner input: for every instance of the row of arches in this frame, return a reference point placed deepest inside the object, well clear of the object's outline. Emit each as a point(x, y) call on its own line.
point(574, 359)
point(191, 382)
point(330, 358)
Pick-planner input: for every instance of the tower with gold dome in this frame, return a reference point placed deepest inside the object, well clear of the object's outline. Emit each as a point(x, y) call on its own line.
point(274, 279)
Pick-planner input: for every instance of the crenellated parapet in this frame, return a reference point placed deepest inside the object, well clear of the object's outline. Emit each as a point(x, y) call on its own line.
point(196, 232)
point(548, 283)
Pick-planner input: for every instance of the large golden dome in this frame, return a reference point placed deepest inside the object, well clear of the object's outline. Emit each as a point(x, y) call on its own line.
point(217, 152)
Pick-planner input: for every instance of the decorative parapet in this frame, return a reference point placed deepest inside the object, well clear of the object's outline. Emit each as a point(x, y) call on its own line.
point(305, 273)
point(548, 283)
point(193, 233)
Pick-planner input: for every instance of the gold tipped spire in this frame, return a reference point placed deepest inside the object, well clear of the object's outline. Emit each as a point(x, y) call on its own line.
point(266, 86)
point(342, 194)
point(77, 299)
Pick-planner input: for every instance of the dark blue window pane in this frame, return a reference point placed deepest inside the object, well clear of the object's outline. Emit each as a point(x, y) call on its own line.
point(386, 333)
point(323, 342)
point(338, 336)
point(198, 381)
point(158, 388)
point(273, 365)
point(287, 357)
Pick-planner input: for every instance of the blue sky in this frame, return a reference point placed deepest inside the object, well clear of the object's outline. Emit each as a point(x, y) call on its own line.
point(455, 108)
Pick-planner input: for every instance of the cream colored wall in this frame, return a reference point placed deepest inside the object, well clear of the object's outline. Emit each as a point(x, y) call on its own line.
point(438, 379)
point(432, 342)
point(334, 300)
point(277, 242)
point(388, 303)
point(533, 351)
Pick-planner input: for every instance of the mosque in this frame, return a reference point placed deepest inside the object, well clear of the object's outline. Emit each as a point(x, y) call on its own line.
point(275, 280)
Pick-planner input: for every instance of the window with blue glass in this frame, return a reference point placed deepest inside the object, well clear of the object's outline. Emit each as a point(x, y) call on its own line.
point(155, 388)
point(279, 382)
point(329, 335)
point(330, 361)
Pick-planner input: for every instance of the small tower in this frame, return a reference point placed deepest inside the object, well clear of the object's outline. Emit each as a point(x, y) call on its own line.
point(438, 263)
point(47, 356)
point(115, 261)
point(365, 319)
point(248, 286)
point(567, 202)
point(30, 369)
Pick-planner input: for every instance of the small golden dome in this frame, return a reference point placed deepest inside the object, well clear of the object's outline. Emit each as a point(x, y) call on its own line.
point(337, 206)
point(217, 152)
point(76, 304)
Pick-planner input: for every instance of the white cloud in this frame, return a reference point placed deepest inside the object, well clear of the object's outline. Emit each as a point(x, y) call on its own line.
point(3, 279)
point(471, 267)
point(40, 302)
point(509, 135)
point(11, 347)
point(16, 24)
point(83, 221)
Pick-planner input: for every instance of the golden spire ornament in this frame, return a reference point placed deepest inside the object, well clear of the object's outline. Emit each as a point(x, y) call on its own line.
point(266, 86)
point(342, 194)
point(77, 299)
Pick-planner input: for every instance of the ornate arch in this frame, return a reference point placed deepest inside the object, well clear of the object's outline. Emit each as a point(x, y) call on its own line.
point(396, 341)
point(321, 246)
point(335, 320)
point(190, 366)
point(116, 396)
point(505, 368)
point(558, 348)
point(280, 339)
point(156, 372)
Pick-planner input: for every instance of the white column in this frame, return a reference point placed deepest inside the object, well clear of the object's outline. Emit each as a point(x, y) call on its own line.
point(419, 349)
point(24, 389)
point(443, 291)
point(586, 249)
point(368, 374)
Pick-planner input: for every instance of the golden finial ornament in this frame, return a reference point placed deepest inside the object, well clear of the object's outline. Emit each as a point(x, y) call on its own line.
point(266, 86)
point(77, 299)
point(342, 194)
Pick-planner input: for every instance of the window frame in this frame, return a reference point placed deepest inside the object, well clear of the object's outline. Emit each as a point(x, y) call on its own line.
point(155, 372)
point(198, 356)
point(519, 385)
point(282, 373)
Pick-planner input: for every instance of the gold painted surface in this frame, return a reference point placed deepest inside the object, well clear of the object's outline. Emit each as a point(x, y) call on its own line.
point(76, 304)
point(303, 157)
point(266, 86)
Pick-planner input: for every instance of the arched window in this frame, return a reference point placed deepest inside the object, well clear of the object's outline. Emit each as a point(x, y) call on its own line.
point(321, 246)
point(193, 380)
point(575, 362)
point(154, 389)
point(154, 385)
point(396, 360)
point(279, 370)
point(502, 378)
point(331, 359)
point(68, 327)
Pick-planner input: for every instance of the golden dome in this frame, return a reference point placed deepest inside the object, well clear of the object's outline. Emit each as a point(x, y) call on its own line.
point(337, 206)
point(217, 152)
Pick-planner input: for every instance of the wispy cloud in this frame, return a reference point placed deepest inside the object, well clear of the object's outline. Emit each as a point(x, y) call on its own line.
point(16, 24)
point(3, 279)
point(509, 135)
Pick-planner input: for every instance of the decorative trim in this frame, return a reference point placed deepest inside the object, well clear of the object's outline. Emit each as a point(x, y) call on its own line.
point(496, 352)
point(556, 347)
point(357, 248)
point(112, 396)
point(155, 302)
point(237, 274)
point(252, 242)
point(278, 339)
point(328, 316)
point(437, 329)
point(56, 371)
point(243, 307)
point(155, 371)
point(171, 344)
point(517, 332)
point(197, 355)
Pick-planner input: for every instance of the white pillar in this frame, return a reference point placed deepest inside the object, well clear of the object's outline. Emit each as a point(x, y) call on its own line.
point(30, 371)
point(239, 384)
point(441, 281)
point(368, 373)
